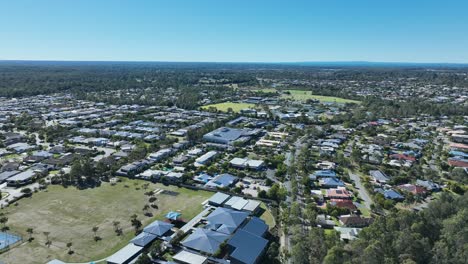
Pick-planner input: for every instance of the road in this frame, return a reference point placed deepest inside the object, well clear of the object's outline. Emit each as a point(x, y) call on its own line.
point(285, 238)
point(362, 191)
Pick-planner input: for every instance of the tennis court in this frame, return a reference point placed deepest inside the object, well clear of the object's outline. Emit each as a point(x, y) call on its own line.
point(7, 239)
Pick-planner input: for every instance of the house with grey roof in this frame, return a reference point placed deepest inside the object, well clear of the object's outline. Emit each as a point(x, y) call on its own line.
point(205, 240)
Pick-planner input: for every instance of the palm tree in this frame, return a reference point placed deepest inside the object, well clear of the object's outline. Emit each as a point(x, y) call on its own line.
point(117, 228)
point(48, 242)
point(146, 208)
point(69, 245)
point(30, 232)
point(95, 229)
point(3, 219)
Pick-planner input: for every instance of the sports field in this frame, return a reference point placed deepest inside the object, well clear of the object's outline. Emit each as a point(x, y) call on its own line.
point(70, 214)
point(223, 107)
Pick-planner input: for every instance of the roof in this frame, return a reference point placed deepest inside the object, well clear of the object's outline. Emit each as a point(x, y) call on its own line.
point(205, 240)
point(7, 174)
point(23, 176)
point(324, 173)
point(124, 254)
point(219, 198)
point(343, 203)
point(339, 192)
point(251, 205)
point(173, 215)
point(236, 203)
point(143, 239)
point(158, 228)
point(412, 188)
point(225, 220)
point(355, 220)
point(379, 176)
point(248, 247)
point(206, 157)
point(189, 257)
point(392, 194)
point(224, 134)
point(331, 182)
point(256, 226)
point(55, 261)
point(222, 180)
point(246, 162)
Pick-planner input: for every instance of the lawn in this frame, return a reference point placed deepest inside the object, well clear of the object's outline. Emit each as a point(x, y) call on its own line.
point(300, 95)
point(236, 107)
point(267, 216)
point(70, 214)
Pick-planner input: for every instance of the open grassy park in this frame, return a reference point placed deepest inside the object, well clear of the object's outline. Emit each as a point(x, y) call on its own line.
point(300, 95)
point(69, 215)
point(223, 107)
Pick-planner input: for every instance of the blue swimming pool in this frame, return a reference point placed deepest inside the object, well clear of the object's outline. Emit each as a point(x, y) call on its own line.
point(7, 239)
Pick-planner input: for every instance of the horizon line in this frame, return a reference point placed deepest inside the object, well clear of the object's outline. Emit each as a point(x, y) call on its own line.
point(243, 62)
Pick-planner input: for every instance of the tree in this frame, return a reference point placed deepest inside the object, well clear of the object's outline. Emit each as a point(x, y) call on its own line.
point(136, 223)
point(69, 245)
point(96, 237)
point(117, 228)
point(156, 249)
point(48, 242)
point(30, 231)
point(146, 208)
point(143, 259)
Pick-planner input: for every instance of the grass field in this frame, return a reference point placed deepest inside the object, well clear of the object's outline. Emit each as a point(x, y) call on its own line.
point(70, 214)
point(300, 95)
point(304, 95)
point(236, 107)
point(267, 216)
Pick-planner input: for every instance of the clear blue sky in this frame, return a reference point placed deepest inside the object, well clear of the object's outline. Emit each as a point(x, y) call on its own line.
point(235, 30)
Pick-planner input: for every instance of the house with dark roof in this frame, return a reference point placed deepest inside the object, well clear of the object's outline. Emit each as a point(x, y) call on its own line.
point(355, 221)
point(7, 174)
point(205, 240)
point(246, 247)
point(225, 220)
point(429, 185)
point(331, 183)
point(22, 178)
point(158, 228)
point(143, 239)
point(391, 194)
point(256, 226)
point(379, 176)
point(324, 174)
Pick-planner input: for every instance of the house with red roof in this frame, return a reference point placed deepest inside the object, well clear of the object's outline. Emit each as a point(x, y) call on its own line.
point(343, 203)
point(414, 189)
point(338, 193)
point(400, 156)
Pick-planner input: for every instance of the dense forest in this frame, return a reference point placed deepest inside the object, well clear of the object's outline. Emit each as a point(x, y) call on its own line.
point(23, 78)
point(437, 234)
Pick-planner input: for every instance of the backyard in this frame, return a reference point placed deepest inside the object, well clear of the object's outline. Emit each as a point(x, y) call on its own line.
point(69, 215)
